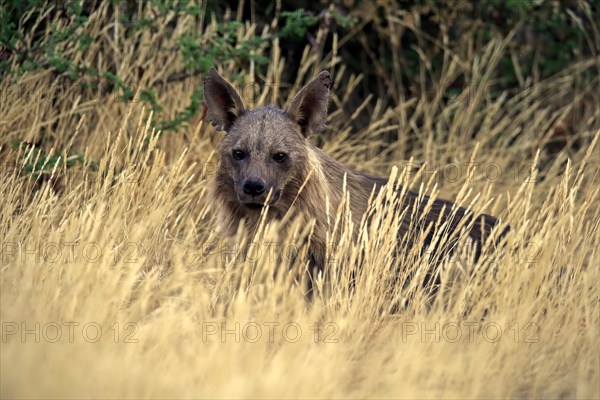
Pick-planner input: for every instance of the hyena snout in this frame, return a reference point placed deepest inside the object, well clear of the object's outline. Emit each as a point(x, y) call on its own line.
point(254, 187)
point(254, 192)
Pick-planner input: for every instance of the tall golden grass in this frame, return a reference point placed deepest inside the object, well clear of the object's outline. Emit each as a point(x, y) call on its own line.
point(115, 284)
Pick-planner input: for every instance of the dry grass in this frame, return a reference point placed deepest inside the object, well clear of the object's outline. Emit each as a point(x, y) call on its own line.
point(134, 243)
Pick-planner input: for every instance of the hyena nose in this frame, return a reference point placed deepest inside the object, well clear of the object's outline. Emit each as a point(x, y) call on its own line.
point(254, 187)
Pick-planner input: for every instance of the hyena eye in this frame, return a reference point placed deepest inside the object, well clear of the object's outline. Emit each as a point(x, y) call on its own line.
point(279, 157)
point(239, 154)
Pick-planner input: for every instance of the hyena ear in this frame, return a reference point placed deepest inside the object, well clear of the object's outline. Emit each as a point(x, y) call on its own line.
point(223, 102)
point(309, 107)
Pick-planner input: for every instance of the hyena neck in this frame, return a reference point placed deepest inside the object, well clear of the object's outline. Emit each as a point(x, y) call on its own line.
point(323, 193)
point(326, 186)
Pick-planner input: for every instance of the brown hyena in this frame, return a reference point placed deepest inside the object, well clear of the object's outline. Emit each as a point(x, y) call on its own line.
point(265, 158)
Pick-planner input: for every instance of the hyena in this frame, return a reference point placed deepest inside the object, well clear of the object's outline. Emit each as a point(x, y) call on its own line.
point(266, 157)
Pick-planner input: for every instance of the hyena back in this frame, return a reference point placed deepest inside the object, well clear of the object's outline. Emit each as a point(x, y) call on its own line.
point(266, 157)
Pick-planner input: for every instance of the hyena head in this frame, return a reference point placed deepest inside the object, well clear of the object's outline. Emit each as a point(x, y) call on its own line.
point(265, 155)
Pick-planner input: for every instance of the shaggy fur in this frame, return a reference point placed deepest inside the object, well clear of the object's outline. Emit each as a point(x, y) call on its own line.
point(263, 133)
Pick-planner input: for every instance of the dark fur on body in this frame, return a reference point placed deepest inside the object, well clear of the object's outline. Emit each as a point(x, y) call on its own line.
point(262, 135)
